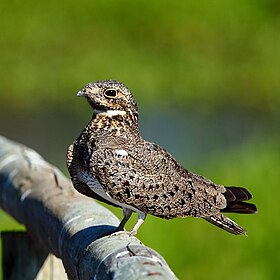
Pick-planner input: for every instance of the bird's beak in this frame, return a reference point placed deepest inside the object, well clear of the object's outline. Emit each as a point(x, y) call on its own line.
point(81, 93)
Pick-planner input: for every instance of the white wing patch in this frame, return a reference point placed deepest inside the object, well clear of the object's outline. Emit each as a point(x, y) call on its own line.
point(120, 152)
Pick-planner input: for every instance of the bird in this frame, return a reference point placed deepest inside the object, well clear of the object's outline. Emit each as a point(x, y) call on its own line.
point(112, 163)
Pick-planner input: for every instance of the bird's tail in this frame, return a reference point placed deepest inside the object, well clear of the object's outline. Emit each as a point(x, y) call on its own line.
point(225, 223)
point(235, 197)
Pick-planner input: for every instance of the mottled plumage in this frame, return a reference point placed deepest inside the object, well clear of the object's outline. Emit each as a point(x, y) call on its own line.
point(111, 162)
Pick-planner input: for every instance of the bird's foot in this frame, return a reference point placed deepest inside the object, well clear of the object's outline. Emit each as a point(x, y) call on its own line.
point(132, 233)
point(119, 232)
point(141, 218)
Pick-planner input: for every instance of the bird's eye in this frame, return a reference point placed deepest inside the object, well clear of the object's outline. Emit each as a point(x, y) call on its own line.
point(111, 93)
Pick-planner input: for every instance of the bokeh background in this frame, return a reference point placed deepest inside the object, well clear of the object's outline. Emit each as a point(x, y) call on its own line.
point(206, 75)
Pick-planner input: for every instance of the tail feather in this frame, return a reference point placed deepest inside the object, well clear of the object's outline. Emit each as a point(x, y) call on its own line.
point(235, 197)
point(237, 194)
point(225, 223)
point(240, 207)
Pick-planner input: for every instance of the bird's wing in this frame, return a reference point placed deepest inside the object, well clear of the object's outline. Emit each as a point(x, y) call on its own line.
point(148, 178)
point(77, 163)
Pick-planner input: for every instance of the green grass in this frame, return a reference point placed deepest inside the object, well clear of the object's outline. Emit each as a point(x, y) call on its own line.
point(195, 51)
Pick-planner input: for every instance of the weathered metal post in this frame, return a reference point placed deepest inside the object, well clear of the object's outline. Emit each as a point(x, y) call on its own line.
point(72, 227)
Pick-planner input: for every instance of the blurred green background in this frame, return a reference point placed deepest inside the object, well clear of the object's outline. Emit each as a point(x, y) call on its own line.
point(206, 75)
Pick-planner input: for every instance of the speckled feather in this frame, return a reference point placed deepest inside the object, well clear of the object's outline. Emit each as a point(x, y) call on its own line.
point(134, 172)
point(150, 180)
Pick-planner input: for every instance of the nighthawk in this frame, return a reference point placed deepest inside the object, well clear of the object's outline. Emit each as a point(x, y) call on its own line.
point(112, 163)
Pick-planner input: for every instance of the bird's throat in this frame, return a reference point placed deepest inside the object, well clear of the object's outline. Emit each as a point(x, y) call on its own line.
point(114, 122)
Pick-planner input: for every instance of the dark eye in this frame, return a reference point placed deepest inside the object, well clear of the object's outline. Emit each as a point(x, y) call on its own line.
point(111, 93)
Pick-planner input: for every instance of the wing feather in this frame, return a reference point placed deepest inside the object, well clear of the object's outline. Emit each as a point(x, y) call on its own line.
point(149, 179)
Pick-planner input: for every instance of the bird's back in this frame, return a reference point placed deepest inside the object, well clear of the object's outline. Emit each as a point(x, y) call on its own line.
point(148, 178)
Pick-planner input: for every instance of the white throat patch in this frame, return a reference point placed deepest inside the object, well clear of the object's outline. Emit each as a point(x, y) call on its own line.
point(111, 113)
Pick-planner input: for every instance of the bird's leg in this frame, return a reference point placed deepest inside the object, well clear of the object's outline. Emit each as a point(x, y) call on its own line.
point(141, 219)
point(127, 214)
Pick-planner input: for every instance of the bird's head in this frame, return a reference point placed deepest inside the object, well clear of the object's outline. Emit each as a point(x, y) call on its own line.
point(109, 97)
